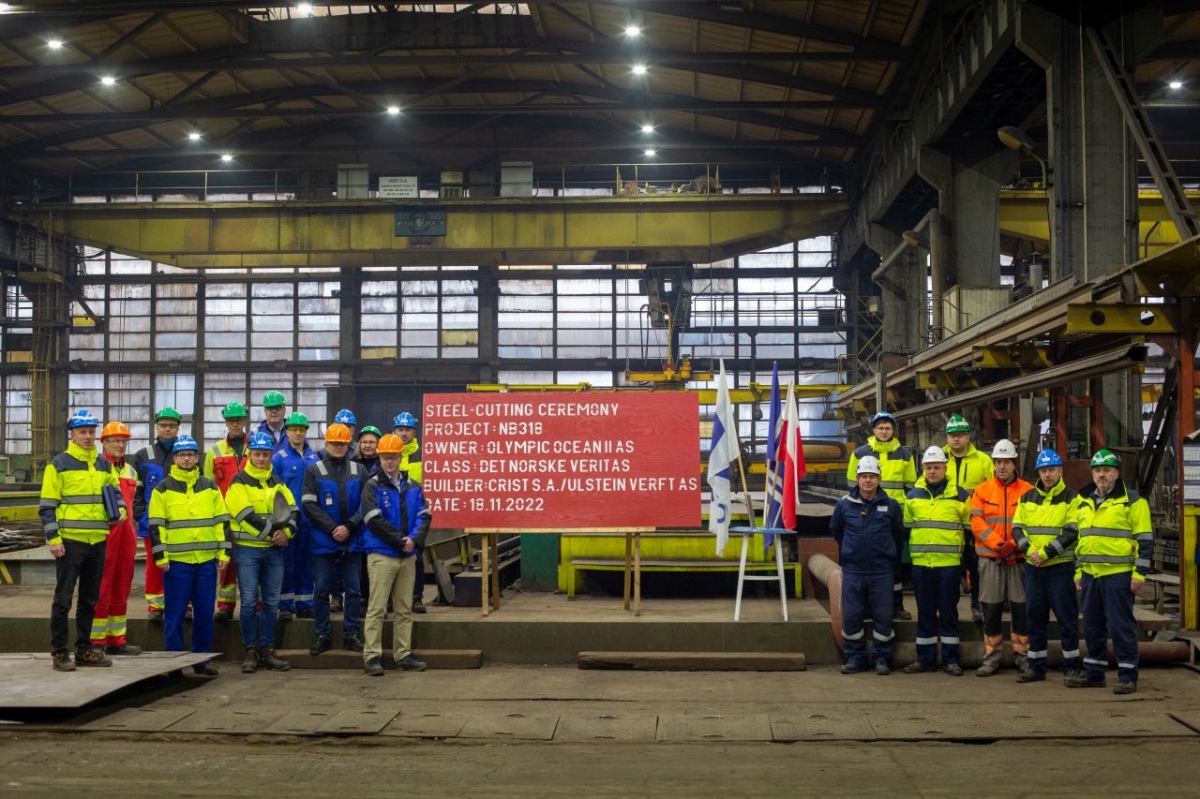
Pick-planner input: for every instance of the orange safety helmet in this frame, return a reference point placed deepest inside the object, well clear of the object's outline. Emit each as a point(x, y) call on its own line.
point(390, 445)
point(337, 434)
point(116, 430)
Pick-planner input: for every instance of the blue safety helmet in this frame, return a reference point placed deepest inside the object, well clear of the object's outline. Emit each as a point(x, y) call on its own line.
point(1047, 457)
point(185, 444)
point(882, 416)
point(345, 416)
point(405, 419)
point(261, 440)
point(82, 418)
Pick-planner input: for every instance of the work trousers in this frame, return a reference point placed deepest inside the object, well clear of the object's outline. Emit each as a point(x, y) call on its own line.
point(937, 613)
point(419, 579)
point(154, 580)
point(1052, 588)
point(970, 567)
point(260, 577)
point(81, 564)
point(110, 622)
point(331, 571)
point(1108, 610)
point(390, 577)
point(195, 583)
point(297, 591)
point(227, 584)
point(867, 594)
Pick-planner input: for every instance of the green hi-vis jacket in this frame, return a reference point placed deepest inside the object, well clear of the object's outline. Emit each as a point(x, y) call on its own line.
point(1045, 522)
point(72, 503)
point(251, 501)
point(1114, 534)
point(936, 517)
point(188, 520)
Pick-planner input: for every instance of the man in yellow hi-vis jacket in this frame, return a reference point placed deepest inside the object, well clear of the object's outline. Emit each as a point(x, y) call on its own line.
point(189, 535)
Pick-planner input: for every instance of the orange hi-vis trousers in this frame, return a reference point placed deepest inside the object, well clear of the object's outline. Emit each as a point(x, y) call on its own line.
point(108, 626)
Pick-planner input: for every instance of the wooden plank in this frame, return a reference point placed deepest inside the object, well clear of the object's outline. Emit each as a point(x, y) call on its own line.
point(694, 661)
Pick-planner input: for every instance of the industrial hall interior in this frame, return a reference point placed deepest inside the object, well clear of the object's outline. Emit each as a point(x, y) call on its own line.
point(528, 354)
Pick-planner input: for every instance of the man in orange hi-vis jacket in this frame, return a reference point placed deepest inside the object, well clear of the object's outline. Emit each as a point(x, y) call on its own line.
point(1001, 578)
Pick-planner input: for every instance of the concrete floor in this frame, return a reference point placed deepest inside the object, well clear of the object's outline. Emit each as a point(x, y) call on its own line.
point(529, 731)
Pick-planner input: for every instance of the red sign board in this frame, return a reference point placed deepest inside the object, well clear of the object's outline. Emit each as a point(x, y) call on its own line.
point(562, 460)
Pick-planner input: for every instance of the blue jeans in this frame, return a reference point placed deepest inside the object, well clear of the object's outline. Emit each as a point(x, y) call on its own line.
point(1052, 588)
point(862, 595)
point(260, 576)
point(297, 591)
point(1108, 610)
point(194, 583)
point(937, 613)
point(330, 571)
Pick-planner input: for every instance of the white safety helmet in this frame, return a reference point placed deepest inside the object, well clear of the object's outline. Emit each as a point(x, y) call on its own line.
point(934, 455)
point(868, 465)
point(1004, 449)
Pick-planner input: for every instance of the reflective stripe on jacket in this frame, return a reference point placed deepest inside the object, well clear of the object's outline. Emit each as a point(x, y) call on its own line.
point(392, 512)
point(897, 465)
point(72, 501)
point(223, 461)
point(188, 519)
point(1116, 535)
point(127, 482)
point(993, 504)
point(936, 516)
point(332, 497)
point(970, 470)
point(1045, 523)
point(251, 502)
point(151, 464)
point(870, 533)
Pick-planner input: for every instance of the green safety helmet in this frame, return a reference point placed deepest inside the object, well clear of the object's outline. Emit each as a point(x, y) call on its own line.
point(957, 424)
point(296, 419)
point(375, 431)
point(234, 410)
point(168, 413)
point(273, 399)
point(1106, 457)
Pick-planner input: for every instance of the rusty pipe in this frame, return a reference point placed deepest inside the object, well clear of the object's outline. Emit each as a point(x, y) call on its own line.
point(829, 574)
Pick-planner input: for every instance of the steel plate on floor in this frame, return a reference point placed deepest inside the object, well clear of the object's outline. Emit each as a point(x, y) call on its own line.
point(361, 720)
point(605, 726)
point(510, 726)
point(822, 724)
point(425, 725)
point(714, 727)
point(29, 681)
point(243, 720)
point(154, 718)
point(1126, 719)
point(302, 722)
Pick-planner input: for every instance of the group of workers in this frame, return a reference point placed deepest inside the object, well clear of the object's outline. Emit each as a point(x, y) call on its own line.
point(1035, 545)
point(262, 517)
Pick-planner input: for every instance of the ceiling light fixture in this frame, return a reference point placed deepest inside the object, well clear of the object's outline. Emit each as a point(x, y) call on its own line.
point(639, 69)
point(305, 9)
point(5, 8)
point(226, 157)
point(647, 128)
point(1176, 84)
point(55, 44)
point(393, 110)
point(651, 153)
point(108, 80)
point(633, 30)
point(193, 136)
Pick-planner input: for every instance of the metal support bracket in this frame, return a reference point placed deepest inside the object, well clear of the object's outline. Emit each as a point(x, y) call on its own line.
point(1090, 318)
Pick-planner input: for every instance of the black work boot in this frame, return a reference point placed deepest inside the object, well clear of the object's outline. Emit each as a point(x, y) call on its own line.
point(268, 659)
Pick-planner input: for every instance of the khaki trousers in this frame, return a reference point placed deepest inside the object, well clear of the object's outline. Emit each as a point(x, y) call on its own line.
point(392, 577)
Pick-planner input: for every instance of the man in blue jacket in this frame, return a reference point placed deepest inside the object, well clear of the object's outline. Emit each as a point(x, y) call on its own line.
point(397, 521)
point(868, 526)
point(331, 500)
point(289, 465)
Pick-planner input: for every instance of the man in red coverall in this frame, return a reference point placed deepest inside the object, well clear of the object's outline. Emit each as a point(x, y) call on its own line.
point(108, 627)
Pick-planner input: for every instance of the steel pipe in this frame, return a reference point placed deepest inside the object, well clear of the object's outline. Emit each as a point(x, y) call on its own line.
point(829, 574)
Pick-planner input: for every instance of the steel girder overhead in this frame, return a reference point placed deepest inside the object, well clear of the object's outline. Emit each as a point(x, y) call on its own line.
point(511, 231)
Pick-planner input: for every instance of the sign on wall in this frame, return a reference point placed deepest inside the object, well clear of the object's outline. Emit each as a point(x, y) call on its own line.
point(402, 186)
point(420, 222)
point(553, 460)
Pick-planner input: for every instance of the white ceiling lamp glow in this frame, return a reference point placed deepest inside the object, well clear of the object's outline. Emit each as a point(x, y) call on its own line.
point(226, 157)
point(647, 128)
point(108, 80)
point(1176, 85)
point(650, 153)
point(639, 69)
point(55, 44)
point(632, 31)
point(193, 136)
point(305, 9)
point(393, 110)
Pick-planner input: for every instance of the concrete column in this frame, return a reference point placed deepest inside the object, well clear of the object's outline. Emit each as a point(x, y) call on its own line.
point(1093, 191)
point(489, 324)
point(905, 303)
